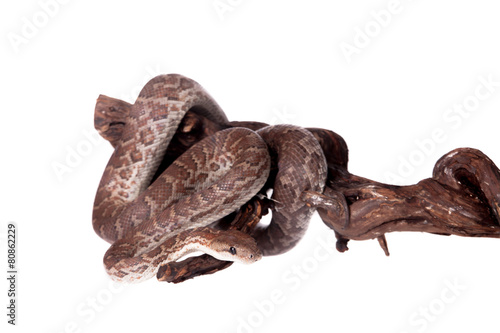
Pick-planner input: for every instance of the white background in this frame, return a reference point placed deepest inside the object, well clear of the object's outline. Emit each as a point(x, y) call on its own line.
point(279, 62)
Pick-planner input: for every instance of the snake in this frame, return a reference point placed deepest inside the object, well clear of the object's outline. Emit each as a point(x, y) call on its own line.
point(150, 222)
point(300, 166)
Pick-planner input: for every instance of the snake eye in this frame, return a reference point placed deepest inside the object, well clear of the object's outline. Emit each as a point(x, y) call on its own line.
point(232, 249)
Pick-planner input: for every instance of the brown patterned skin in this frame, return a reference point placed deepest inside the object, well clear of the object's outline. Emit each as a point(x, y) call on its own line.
point(227, 245)
point(299, 165)
point(212, 179)
point(152, 209)
point(167, 220)
point(149, 127)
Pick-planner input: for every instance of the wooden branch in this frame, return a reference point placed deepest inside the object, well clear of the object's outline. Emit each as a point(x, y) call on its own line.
point(461, 198)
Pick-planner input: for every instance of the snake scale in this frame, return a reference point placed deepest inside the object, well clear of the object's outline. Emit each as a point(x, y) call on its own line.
point(150, 223)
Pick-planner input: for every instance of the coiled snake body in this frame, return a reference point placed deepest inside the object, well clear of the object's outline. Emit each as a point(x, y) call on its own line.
point(156, 204)
point(150, 224)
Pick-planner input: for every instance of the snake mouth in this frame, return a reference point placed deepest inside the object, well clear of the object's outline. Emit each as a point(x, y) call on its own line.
point(255, 258)
point(116, 123)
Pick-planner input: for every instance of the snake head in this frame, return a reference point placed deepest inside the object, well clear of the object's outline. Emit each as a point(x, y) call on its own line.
point(234, 245)
point(110, 117)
